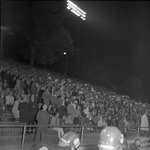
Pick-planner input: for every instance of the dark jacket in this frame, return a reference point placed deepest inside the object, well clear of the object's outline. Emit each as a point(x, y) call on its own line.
point(43, 120)
point(24, 112)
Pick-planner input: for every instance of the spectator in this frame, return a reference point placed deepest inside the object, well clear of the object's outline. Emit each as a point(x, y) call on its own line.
point(5, 85)
point(76, 115)
point(109, 121)
point(126, 126)
point(34, 88)
point(54, 98)
point(62, 111)
point(42, 122)
point(102, 122)
point(46, 97)
point(92, 100)
point(22, 84)
point(6, 92)
point(33, 108)
point(70, 109)
point(27, 87)
point(68, 119)
point(59, 102)
point(1, 90)
point(144, 124)
point(121, 126)
point(55, 122)
point(24, 110)
point(40, 93)
point(15, 110)
point(17, 84)
point(9, 101)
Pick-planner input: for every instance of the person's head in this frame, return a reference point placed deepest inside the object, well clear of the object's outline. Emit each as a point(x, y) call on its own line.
point(24, 97)
point(50, 106)
point(44, 107)
point(137, 142)
point(32, 97)
point(5, 81)
point(103, 118)
point(111, 138)
point(145, 113)
point(64, 117)
point(57, 115)
point(8, 89)
point(11, 93)
point(78, 107)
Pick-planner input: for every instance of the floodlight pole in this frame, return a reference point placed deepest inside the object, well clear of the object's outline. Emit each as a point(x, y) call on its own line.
point(3, 29)
point(76, 10)
point(82, 15)
point(66, 65)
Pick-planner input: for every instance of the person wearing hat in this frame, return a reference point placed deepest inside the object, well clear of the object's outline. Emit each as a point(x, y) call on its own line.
point(111, 138)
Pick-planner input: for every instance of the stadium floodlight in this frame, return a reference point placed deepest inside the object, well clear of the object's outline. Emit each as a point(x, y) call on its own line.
point(72, 10)
point(3, 31)
point(76, 10)
point(82, 18)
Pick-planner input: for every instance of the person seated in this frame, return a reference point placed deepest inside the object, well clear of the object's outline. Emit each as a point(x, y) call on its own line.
point(55, 122)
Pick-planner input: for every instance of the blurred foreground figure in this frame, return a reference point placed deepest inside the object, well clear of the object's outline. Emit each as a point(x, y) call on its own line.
point(111, 139)
point(70, 139)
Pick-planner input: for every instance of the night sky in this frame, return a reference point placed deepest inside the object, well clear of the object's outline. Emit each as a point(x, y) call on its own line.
point(115, 34)
point(118, 35)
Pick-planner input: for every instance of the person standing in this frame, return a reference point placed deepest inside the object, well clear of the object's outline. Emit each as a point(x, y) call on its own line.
point(34, 88)
point(33, 111)
point(15, 110)
point(42, 122)
point(9, 101)
point(144, 124)
point(24, 110)
point(121, 126)
point(46, 97)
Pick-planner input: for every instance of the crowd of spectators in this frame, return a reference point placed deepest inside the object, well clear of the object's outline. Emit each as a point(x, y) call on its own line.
point(25, 90)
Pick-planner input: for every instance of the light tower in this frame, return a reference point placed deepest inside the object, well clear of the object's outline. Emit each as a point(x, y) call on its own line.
point(82, 15)
point(3, 30)
point(76, 10)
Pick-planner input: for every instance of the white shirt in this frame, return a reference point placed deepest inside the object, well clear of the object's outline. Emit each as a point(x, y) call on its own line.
point(144, 123)
point(15, 110)
point(101, 123)
point(9, 100)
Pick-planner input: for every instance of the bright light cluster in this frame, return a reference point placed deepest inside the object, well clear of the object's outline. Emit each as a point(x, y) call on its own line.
point(76, 10)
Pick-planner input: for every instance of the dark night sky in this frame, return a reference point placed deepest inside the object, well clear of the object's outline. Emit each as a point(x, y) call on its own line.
point(116, 33)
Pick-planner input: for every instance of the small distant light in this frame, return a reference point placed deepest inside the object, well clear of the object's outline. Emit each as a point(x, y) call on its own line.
point(65, 53)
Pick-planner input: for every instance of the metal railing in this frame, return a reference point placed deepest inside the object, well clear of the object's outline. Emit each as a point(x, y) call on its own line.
point(80, 129)
point(24, 130)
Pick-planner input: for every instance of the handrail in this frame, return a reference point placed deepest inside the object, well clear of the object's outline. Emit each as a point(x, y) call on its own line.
point(62, 126)
point(25, 128)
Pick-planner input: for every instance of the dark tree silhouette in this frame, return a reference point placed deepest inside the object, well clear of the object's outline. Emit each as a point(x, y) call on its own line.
point(40, 25)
